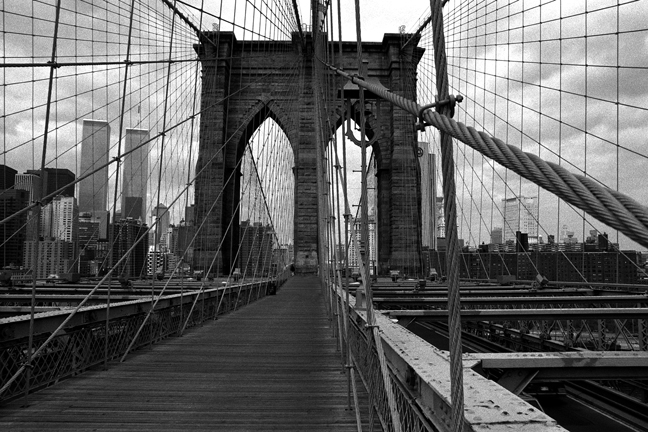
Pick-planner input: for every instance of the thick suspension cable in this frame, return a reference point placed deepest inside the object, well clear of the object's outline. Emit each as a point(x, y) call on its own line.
point(450, 204)
point(609, 206)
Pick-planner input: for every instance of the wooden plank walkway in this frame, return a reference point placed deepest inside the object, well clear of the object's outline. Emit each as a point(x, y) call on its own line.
point(272, 365)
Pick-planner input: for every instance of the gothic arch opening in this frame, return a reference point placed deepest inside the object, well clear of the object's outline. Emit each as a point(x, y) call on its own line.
point(258, 214)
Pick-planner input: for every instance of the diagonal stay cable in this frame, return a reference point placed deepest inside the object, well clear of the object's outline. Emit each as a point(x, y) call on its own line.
point(123, 258)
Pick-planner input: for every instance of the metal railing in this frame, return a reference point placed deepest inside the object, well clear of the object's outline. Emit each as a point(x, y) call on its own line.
point(367, 365)
point(420, 381)
point(87, 342)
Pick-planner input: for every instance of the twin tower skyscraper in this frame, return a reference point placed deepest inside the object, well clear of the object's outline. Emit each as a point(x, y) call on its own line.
point(93, 190)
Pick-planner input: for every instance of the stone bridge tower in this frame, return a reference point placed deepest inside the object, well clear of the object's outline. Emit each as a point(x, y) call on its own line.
point(243, 84)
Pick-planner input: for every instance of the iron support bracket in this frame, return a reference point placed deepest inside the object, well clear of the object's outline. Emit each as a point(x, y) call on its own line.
point(452, 100)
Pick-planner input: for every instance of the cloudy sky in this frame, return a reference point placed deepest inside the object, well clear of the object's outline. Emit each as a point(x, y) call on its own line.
point(563, 98)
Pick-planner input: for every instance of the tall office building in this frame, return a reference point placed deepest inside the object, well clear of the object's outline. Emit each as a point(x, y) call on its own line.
point(132, 208)
point(520, 214)
point(60, 222)
point(32, 184)
point(135, 177)
point(354, 262)
point(161, 214)
point(55, 179)
point(56, 251)
point(7, 177)
point(440, 217)
point(53, 257)
point(127, 236)
point(190, 211)
point(87, 246)
point(93, 242)
point(496, 236)
point(181, 243)
point(60, 219)
point(13, 231)
point(95, 144)
point(428, 195)
point(255, 255)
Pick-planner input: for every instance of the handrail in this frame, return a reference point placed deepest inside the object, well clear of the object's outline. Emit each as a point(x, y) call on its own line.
point(419, 373)
point(81, 343)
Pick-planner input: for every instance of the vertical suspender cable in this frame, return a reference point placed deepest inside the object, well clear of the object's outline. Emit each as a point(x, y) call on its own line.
point(366, 278)
point(364, 217)
point(450, 211)
point(35, 251)
point(191, 133)
point(161, 158)
point(119, 142)
point(316, 76)
point(347, 214)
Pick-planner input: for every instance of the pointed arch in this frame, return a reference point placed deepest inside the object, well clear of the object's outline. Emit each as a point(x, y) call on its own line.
point(254, 117)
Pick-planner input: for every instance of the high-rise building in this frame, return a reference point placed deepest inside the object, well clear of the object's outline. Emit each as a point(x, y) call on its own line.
point(132, 208)
point(93, 191)
point(427, 162)
point(372, 187)
point(100, 224)
point(7, 177)
point(189, 215)
point(93, 244)
point(88, 239)
point(255, 254)
point(163, 218)
point(520, 214)
point(59, 221)
point(54, 257)
point(32, 184)
point(55, 179)
point(60, 218)
point(180, 242)
point(14, 230)
point(125, 234)
point(156, 263)
point(440, 218)
point(135, 177)
point(354, 262)
point(496, 236)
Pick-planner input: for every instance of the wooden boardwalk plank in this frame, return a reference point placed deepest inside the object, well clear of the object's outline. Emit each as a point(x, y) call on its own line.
point(272, 365)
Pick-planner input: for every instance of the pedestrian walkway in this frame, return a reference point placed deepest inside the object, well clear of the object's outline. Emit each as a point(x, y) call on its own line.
point(272, 365)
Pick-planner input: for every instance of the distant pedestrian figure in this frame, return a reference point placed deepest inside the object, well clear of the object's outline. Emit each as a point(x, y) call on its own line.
point(292, 269)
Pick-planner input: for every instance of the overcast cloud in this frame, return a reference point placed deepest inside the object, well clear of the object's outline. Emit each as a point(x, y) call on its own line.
point(495, 54)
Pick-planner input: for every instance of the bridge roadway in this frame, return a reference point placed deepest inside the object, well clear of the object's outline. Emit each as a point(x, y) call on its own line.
point(272, 365)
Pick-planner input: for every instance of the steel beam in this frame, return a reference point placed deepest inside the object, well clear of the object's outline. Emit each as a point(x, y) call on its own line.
point(515, 301)
point(557, 360)
point(524, 314)
point(557, 366)
point(486, 292)
point(25, 299)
